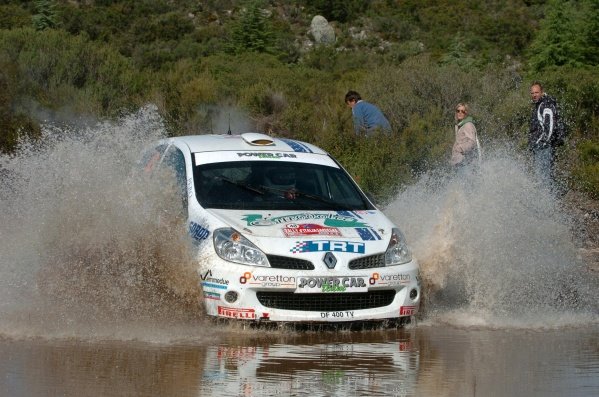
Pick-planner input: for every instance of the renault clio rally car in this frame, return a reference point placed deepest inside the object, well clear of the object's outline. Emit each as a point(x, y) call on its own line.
point(285, 234)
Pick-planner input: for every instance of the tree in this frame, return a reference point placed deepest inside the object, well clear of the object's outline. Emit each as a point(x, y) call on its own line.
point(558, 42)
point(591, 33)
point(46, 16)
point(252, 32)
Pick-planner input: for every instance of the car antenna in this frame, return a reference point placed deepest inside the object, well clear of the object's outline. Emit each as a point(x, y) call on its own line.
point(229, 131)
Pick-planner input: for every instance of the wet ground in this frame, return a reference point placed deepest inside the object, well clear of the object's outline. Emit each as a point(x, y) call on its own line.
point(421, 360)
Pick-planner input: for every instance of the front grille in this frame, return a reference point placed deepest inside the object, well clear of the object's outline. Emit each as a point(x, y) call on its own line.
point(325, 302)
point(368, 262)
point(285, 262)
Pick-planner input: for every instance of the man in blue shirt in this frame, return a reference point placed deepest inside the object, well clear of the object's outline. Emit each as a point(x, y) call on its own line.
point(367, 117)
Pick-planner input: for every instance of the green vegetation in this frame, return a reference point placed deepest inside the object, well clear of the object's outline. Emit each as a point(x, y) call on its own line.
point(252, 32)
point(415, 59)
point(45, 15)
point(567, 36)
point(587, 172)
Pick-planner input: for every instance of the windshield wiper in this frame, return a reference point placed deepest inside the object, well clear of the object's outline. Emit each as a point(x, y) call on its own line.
point(243, 185)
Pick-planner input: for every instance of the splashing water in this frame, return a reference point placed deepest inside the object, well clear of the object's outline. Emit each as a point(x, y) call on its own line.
point(89, 243)
point(495, 249)
point(92, 248)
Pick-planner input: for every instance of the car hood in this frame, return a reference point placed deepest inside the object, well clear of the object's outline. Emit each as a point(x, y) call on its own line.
point(362, 225)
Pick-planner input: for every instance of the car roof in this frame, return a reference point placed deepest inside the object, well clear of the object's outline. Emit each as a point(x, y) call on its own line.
point(250, 141)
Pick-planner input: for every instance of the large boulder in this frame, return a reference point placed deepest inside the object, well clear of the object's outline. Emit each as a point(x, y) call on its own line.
point(321, 31)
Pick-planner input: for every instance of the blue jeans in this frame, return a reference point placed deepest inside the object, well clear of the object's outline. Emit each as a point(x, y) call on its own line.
point(543, 162)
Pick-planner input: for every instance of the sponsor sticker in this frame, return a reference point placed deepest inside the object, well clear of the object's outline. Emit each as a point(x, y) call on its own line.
point(211, 295)
point(329, 219)
point(267, 155)
point(389, 279)
point(212, 282)
point(368, 233)
point(229, 312)
point(309, 229)
point(328, 245)
point(331, 284)
point(274, 280)
point(198, 232)
point(407, 310)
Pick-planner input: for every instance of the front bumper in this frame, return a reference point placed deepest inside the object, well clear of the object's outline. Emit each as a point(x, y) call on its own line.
point(268, 294)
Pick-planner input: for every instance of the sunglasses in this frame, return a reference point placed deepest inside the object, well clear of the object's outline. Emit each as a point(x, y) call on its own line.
point(460, 111)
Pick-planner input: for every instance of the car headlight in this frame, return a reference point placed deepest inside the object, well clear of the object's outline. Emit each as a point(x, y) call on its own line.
point(231, 246)
point(397, 252)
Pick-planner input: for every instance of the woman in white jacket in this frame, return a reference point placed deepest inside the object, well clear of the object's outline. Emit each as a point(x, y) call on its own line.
point(466, 148)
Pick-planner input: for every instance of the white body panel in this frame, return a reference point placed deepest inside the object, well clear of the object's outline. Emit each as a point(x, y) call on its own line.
point(330, 289)
point(279, 235)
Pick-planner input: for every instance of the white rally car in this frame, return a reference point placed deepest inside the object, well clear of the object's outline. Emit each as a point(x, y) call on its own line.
point(285, 234)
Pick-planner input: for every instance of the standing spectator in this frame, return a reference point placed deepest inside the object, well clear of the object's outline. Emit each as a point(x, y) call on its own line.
point(466, 147)
point(546, 133)
point(367, 117)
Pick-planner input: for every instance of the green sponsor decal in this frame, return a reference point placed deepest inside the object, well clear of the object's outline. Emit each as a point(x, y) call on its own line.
point(332, 220)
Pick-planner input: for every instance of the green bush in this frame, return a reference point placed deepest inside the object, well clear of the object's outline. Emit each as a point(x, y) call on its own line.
point(375, 162)
point(586, 172)
point(46, 63)
point(13, 124)
point(13, 16)
point(338, 10)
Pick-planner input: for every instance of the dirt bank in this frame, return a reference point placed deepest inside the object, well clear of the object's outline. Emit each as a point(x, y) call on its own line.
point(585, 213)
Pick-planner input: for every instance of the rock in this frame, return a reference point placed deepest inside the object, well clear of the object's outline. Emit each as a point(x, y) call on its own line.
point(322, 31)
point(357, 35)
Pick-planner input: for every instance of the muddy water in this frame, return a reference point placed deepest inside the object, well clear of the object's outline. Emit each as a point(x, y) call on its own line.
point(98, 289)
point(417, 361)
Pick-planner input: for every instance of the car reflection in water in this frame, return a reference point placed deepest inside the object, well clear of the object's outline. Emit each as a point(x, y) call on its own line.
point(344, 368)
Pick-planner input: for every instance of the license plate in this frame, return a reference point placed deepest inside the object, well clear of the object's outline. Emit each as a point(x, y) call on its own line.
point(332, 284)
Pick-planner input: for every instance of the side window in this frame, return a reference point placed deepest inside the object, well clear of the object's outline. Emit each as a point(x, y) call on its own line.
point(175, 160)
point(341, 190)
point(151, 158)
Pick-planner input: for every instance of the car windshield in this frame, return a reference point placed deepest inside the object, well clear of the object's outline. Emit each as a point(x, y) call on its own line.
point(276, 185)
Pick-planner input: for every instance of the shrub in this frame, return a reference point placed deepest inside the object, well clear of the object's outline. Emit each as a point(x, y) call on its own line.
point(586, 172)
point(182, 92)
point(13, 16)
point(339, 10)
point(375, 162)
point(47, 62)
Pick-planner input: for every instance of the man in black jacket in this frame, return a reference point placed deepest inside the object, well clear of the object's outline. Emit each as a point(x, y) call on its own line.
point(546, 133)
